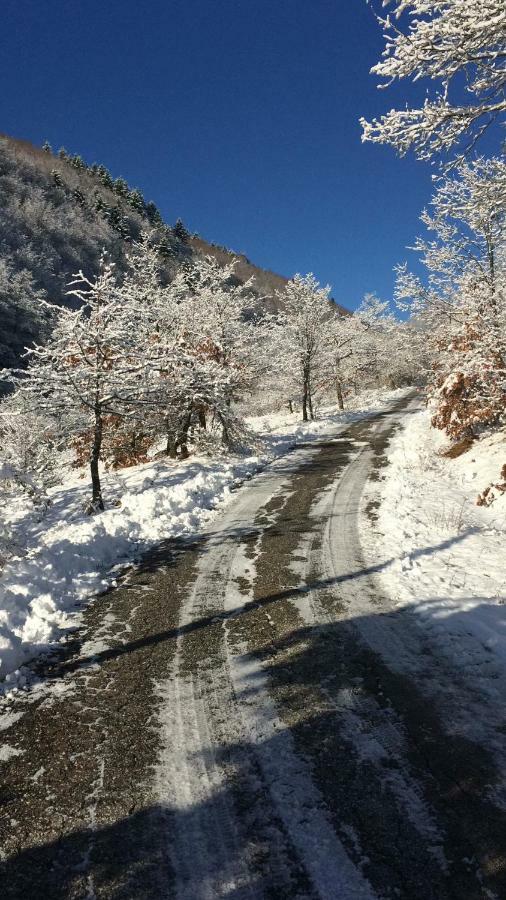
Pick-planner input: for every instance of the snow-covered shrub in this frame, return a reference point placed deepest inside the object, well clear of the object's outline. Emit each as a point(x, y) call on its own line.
point(469, 382)
point(124, 444)
point(493, 491)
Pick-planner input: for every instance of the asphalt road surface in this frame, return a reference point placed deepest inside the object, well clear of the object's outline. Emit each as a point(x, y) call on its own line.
point(247, 716)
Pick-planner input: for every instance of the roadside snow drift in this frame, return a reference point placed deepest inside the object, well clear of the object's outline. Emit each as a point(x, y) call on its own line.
point(445, 556)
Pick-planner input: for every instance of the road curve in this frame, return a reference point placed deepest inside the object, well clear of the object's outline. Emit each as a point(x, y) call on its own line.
point(247, 716)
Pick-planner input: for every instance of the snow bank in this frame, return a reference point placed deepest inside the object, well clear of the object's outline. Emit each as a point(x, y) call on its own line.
point(446, 556)
point(68, 557)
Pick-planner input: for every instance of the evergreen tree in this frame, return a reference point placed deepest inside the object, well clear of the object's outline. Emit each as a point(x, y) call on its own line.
point(136, 201)
point(117, 221)
point(120, 187)
point(113, 216)
point(78, 162)
point(166, 244)
point(152, 214)
point(105, 176)
point(181, 232)
point(79, 197)
point(46, 146)
point(91, 370)
point(99, 204)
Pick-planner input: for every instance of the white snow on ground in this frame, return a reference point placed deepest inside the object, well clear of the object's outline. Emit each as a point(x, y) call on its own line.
point(445, 556)
point(68, 557)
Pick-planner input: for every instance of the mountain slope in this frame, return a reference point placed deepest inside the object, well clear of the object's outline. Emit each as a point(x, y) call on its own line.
point(57, 216)
point(267, 284)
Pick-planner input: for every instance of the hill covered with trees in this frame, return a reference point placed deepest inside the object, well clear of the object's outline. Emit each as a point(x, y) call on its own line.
point(59, 215)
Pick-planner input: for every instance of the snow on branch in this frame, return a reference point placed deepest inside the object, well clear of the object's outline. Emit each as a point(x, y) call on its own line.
point(460, 45)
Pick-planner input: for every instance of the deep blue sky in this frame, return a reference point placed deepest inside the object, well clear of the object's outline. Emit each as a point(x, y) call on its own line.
point(240, 117)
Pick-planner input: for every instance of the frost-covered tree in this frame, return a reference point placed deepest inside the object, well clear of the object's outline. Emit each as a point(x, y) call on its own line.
point(28, 448)
point(405, 358)
point(200, 338)
point(462, 302)
point(468, 386)
point(160, 331)
point(29, 465)
point(467, 218)
point(220, 345)
point(466, 227)
point(303, 335)
point(460, 45)
point(358, 346)
point(91, 370)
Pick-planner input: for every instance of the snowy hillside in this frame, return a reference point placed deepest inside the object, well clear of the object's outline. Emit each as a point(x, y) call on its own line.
point(59, 214)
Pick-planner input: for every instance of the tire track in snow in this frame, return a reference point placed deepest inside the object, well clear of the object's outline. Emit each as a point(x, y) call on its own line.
point(452, 785)
point(378, 750)
point(295, 851)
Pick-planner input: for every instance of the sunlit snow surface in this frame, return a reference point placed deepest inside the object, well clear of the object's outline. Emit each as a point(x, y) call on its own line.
point(444, 557)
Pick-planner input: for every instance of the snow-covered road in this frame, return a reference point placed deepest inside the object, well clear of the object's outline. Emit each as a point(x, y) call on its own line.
point(249, 716)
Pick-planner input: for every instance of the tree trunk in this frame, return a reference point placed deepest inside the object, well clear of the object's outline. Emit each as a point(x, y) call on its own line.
point(290, 406)
point(202, 417)
point(489, 240)
point(96, 499)
point(310, 403)
point(182, 439)
point(171, 447)
point(339, 391)
point(225, 433)
point(305, 396)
